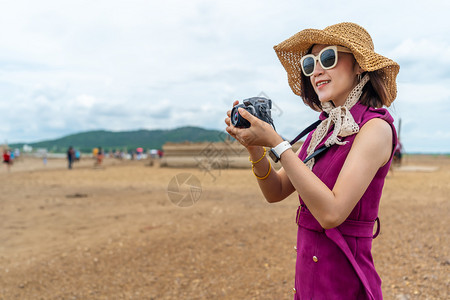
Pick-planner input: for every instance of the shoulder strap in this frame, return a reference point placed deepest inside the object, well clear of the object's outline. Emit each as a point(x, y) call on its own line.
point(305, 132)
point(315, 153)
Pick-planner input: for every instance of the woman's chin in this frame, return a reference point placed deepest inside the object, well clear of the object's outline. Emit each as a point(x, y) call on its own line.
point(324, 100)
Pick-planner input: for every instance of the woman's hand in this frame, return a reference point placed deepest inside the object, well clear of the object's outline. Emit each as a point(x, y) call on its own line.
point(260, 133)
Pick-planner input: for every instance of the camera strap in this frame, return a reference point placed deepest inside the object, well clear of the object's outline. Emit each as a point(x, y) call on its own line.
point(305, 132)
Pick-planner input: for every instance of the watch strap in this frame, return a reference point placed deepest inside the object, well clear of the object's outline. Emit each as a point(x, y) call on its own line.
point(275, 153)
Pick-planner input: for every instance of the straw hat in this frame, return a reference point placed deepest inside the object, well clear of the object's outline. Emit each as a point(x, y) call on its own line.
point(349, 35)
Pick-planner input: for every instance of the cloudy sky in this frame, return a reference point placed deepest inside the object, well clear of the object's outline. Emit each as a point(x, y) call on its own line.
point(71, 66)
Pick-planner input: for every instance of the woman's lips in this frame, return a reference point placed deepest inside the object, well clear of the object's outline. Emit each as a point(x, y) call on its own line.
point(322, 83)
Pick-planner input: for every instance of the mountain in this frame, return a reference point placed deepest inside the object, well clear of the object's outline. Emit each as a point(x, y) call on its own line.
point(110, 140)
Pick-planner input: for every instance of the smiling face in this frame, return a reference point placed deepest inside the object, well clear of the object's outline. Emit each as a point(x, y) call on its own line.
point(335, 84)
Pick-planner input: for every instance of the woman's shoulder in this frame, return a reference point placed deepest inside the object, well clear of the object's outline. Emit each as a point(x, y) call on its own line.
point(377, 122)
point(377, 126)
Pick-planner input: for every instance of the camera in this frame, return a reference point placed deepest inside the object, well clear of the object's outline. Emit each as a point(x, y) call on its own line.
point(258, 106)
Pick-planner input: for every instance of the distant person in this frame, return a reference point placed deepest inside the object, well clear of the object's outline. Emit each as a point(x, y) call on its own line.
point(70, 156)
point(77, 155)
point(153, 153)
point(17, 154)
point(398, 153)
point(11, 157)
point(336, 72)
point(100, 157)
point(44, 158)
point(7, 159)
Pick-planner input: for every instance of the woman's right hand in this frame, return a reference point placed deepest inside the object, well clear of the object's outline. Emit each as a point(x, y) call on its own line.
point(258, 134)
point(230, 132)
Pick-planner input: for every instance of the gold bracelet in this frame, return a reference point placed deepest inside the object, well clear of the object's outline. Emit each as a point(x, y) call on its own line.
point(255, 162)
point(264, 177)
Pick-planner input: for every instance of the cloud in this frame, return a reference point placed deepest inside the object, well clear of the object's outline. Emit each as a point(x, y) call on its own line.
point(423, 60)
point(80, 65)
point(428, 93)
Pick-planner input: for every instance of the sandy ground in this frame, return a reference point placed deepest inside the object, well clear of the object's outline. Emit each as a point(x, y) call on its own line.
point(115, 233)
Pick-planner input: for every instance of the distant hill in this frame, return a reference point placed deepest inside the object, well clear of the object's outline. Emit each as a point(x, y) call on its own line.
point(110, 140)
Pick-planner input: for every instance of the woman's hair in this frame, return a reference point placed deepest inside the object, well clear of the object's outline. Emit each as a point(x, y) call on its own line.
point(374, 92)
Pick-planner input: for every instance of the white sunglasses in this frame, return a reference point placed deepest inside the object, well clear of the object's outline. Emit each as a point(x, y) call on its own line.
point(327, 58)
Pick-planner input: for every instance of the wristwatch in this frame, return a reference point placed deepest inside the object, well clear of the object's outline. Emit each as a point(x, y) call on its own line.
point(275, 153)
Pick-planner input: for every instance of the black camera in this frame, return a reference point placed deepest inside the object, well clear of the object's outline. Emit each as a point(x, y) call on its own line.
point(257, 106)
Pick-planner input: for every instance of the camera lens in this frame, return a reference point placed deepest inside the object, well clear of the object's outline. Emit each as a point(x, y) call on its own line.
point(235, 117)
point(237, 120)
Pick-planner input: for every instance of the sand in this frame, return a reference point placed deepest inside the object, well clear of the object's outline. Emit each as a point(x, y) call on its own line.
point(114, 233)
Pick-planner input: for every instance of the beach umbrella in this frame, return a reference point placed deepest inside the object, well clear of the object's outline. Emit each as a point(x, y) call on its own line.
point(140, 149)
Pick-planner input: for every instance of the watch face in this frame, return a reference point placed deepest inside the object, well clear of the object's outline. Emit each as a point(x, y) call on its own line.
point(273, 155)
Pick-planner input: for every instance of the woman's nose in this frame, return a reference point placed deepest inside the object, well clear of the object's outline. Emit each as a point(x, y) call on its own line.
point(317, 69)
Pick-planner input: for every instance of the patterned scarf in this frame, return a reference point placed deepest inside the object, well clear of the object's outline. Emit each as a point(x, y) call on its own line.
point(344, 124)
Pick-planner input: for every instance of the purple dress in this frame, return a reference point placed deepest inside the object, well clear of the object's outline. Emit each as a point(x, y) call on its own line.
point(337, 263)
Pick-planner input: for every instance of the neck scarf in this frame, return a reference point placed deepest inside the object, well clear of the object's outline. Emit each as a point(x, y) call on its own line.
point(344, 124)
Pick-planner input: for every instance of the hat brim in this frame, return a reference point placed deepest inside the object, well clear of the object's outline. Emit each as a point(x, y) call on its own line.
point(294, 48)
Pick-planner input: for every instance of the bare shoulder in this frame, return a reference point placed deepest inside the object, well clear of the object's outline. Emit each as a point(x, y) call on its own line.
point(375, 139)
point(378, 129)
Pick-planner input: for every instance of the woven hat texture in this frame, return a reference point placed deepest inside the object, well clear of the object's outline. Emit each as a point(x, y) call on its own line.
point(349, 35)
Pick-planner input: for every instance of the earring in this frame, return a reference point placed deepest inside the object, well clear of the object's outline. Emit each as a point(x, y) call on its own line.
point(359, 77)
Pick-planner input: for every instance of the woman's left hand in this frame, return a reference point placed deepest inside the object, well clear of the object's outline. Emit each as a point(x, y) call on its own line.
point(259, 133)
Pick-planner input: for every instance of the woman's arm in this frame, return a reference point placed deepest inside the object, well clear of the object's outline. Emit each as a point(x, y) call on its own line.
point(371, 149)
point(277, 186)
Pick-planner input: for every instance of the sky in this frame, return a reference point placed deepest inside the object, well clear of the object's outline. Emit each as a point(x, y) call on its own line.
point(73, 66)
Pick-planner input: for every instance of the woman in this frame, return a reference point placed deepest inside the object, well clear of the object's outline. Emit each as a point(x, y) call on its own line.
point(337, 72)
